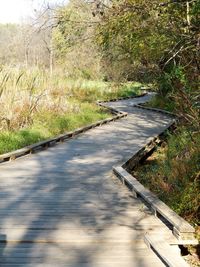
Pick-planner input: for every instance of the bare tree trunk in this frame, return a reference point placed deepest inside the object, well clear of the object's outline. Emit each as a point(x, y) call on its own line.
point(26, 56)
point(188, 14)
point(51, 55)
point(51, 52)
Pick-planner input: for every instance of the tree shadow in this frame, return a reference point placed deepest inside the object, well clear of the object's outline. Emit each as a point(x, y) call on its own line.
point(66, 208)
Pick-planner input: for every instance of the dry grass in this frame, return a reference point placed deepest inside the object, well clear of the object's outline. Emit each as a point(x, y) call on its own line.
point(173, 173)
point(35, 106)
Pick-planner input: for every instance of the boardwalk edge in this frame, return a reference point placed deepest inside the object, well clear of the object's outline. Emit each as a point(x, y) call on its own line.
point(184, 233)
point(66, 136)
point(181, 229)
point(165, 112)
point(163, 250)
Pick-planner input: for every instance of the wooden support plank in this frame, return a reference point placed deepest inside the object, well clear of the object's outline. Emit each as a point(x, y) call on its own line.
point(156, 110)
point(13, 155)
point(185, 230)
point(165, 251)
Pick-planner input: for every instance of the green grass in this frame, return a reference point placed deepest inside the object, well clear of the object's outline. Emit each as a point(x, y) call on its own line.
point(46, 125)
point(13, 140)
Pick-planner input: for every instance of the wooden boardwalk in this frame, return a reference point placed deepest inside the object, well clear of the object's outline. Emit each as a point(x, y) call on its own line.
point(63, 206)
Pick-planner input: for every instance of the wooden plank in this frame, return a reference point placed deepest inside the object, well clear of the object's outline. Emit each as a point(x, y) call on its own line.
point(165, 251)
point(178, 222)
point(36, 253)
point(62, 213)
point(81, 264)
point(15, 154)
point(57, 225)
point(156, 110)
point(88, 260)
point(118, 236)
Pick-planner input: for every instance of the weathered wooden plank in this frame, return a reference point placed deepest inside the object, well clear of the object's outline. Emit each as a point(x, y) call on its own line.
point(174, 218)
point(13, 155)
point(81, 264)
point(59, 254)
point(179, 223)
point(117, 233)
point(156, 110)
point(48, 225)
point(40, 214)
point(165, 251)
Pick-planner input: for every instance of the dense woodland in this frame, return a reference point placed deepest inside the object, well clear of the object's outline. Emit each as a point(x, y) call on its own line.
point(69, 56)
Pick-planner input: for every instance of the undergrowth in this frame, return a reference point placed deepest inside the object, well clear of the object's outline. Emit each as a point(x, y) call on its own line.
point(173, 173)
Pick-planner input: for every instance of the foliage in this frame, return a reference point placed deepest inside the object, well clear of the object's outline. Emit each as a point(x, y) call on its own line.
point(151, 32)
point(75, 49)
point(137, 36)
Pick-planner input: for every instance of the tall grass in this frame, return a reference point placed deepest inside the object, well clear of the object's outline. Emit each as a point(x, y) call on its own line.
point(35, 106)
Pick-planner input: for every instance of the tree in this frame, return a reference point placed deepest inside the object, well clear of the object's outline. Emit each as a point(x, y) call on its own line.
point(150, 32)
point(75, 48)
point(138, 35)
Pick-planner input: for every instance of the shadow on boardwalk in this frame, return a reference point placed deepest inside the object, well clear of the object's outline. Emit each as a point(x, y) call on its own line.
point(67, 209)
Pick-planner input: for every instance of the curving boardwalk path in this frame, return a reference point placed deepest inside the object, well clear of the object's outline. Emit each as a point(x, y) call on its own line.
point(63, 206)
